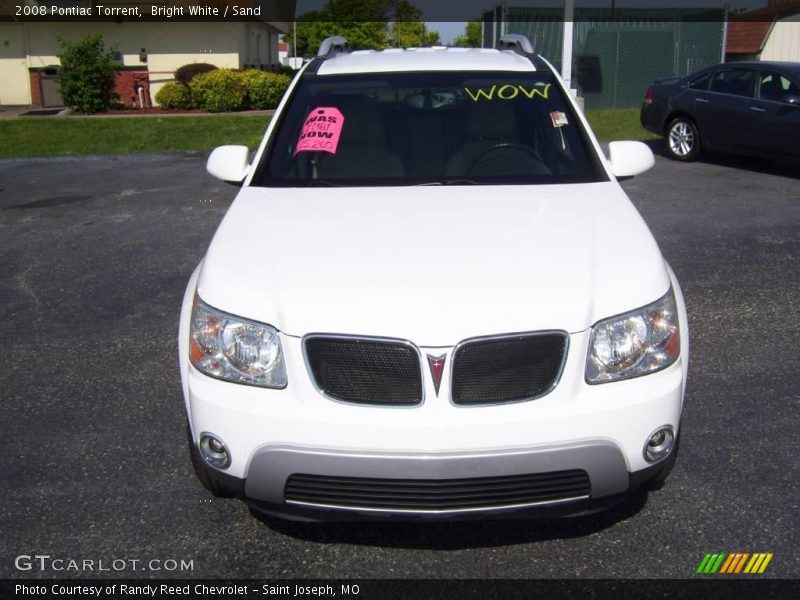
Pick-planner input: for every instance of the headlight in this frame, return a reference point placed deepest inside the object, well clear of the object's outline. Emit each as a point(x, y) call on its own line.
point(235, 349)
point(637, 343)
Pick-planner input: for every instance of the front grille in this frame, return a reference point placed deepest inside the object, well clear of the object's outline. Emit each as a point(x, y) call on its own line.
point(437, 495)
point(507, 369)
point(365, 371)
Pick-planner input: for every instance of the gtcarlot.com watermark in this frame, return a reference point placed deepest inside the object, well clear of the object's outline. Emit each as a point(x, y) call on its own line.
point(58, 564)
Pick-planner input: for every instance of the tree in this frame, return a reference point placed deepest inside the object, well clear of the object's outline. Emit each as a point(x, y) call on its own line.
point(87, 74)
point(363, 22)
point(472, 36)
point(413, 34)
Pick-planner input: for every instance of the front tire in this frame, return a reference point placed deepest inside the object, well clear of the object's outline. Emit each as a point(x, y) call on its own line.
point(683, 139)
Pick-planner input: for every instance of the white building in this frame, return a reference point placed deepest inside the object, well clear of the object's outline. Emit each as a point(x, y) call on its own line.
point(149, 52)
point(771, 33)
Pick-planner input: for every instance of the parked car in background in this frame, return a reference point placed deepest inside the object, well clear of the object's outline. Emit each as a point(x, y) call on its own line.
point(749, 108)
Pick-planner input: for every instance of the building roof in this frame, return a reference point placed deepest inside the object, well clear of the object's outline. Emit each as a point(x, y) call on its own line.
point(747, 32)
point(437, 58)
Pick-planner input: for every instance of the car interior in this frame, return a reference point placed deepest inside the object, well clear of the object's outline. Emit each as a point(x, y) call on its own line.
point(433, 135)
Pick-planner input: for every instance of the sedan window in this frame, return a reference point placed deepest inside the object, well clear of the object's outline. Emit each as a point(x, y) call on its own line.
point(737, 82)
point(775, 87)
point(701, 82)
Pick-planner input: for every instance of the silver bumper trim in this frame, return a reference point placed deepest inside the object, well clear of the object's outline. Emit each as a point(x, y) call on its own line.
point(446, 511)
point(271, 465)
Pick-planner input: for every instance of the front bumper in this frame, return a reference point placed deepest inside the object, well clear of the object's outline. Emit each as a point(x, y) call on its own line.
point(273, 434)
point(271, 467)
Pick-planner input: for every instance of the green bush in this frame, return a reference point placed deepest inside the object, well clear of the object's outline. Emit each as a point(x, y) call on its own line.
point(186, 73)
point(220, 90)
point(87, 74)
point(174, 95)
point(264, 90)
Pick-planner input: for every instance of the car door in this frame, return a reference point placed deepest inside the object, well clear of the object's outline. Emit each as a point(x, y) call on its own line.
point(725, 118)
point(779, 129)
point(692, 99)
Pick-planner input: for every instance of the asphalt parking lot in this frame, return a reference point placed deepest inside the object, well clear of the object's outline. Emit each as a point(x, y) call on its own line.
point(94, 257)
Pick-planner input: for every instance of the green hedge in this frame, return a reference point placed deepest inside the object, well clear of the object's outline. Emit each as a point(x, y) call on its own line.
point(264, 90)
point(226, 90)
point(220, 90)
point(186, 73)
point(174, 95)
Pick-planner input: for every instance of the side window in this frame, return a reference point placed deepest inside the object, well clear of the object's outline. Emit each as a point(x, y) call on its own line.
point(701, 82)
point(775, 87)
point(737, 82)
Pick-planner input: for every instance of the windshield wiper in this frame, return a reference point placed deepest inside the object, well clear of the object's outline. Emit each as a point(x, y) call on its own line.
point(453, 181)
point(320, 183)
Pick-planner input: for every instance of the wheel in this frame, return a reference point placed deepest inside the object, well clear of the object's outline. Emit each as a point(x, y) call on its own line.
point(657, 481)
point(683, 139)
point(201, 471)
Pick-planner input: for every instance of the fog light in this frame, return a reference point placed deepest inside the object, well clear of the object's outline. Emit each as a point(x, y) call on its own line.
point(214, 451)
point(659, 444)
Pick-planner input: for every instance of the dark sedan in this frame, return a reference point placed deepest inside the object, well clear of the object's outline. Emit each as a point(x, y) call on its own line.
point(745, 107)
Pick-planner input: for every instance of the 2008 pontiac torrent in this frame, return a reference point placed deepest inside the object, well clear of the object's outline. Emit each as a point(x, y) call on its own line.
point(431, 298)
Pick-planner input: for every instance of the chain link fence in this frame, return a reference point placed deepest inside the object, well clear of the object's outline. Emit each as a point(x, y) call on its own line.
point(617, 53)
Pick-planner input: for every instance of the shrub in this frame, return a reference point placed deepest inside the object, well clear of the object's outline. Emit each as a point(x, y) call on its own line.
point(87, 74)
point(264, 90)
point(220, 90)
point(186, 73)
point(174, 95)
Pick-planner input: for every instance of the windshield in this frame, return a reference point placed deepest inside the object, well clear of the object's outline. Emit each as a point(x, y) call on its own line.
point(432, 128)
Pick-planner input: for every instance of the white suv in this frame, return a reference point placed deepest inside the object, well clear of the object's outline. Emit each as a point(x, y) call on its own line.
point(431, 297)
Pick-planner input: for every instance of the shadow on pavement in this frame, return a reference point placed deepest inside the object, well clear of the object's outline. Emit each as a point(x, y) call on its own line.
point(735, 161)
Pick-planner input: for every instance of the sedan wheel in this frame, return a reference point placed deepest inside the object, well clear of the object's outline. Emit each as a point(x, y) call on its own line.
point(683, 139)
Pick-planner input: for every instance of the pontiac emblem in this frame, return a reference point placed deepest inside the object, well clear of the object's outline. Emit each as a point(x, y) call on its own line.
point(436, 363)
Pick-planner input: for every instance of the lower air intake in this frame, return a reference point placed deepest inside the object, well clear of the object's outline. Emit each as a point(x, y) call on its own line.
point(437, 495)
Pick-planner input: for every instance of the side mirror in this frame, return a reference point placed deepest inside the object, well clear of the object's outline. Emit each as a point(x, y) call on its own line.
point(229, 163)
point(792, 99)
point(630, 158)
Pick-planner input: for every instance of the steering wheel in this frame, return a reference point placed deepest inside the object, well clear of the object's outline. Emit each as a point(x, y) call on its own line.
point(509, 146)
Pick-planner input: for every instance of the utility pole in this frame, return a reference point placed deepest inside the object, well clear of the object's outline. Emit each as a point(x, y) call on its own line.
point(566, 49)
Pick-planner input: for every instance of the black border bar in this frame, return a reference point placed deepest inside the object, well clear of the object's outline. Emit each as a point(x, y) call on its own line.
point(702, 587)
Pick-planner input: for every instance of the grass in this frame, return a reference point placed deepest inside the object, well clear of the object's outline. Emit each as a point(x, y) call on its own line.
point(75, 135)
point(611, 124)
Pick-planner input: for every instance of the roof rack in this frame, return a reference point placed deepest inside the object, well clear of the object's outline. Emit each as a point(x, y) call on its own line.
point(331, 46)
point(516, 42)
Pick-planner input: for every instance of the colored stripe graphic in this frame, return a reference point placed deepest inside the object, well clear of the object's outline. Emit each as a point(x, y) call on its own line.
point(703, 563)
point(758, 564)
point(741, 562)
point(717, 564)
point(732, 560)
point(734, 563)
point(711, 562)
point(765, 563)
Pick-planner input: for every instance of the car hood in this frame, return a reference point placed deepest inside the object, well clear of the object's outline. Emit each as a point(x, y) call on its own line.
point(432, 264)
